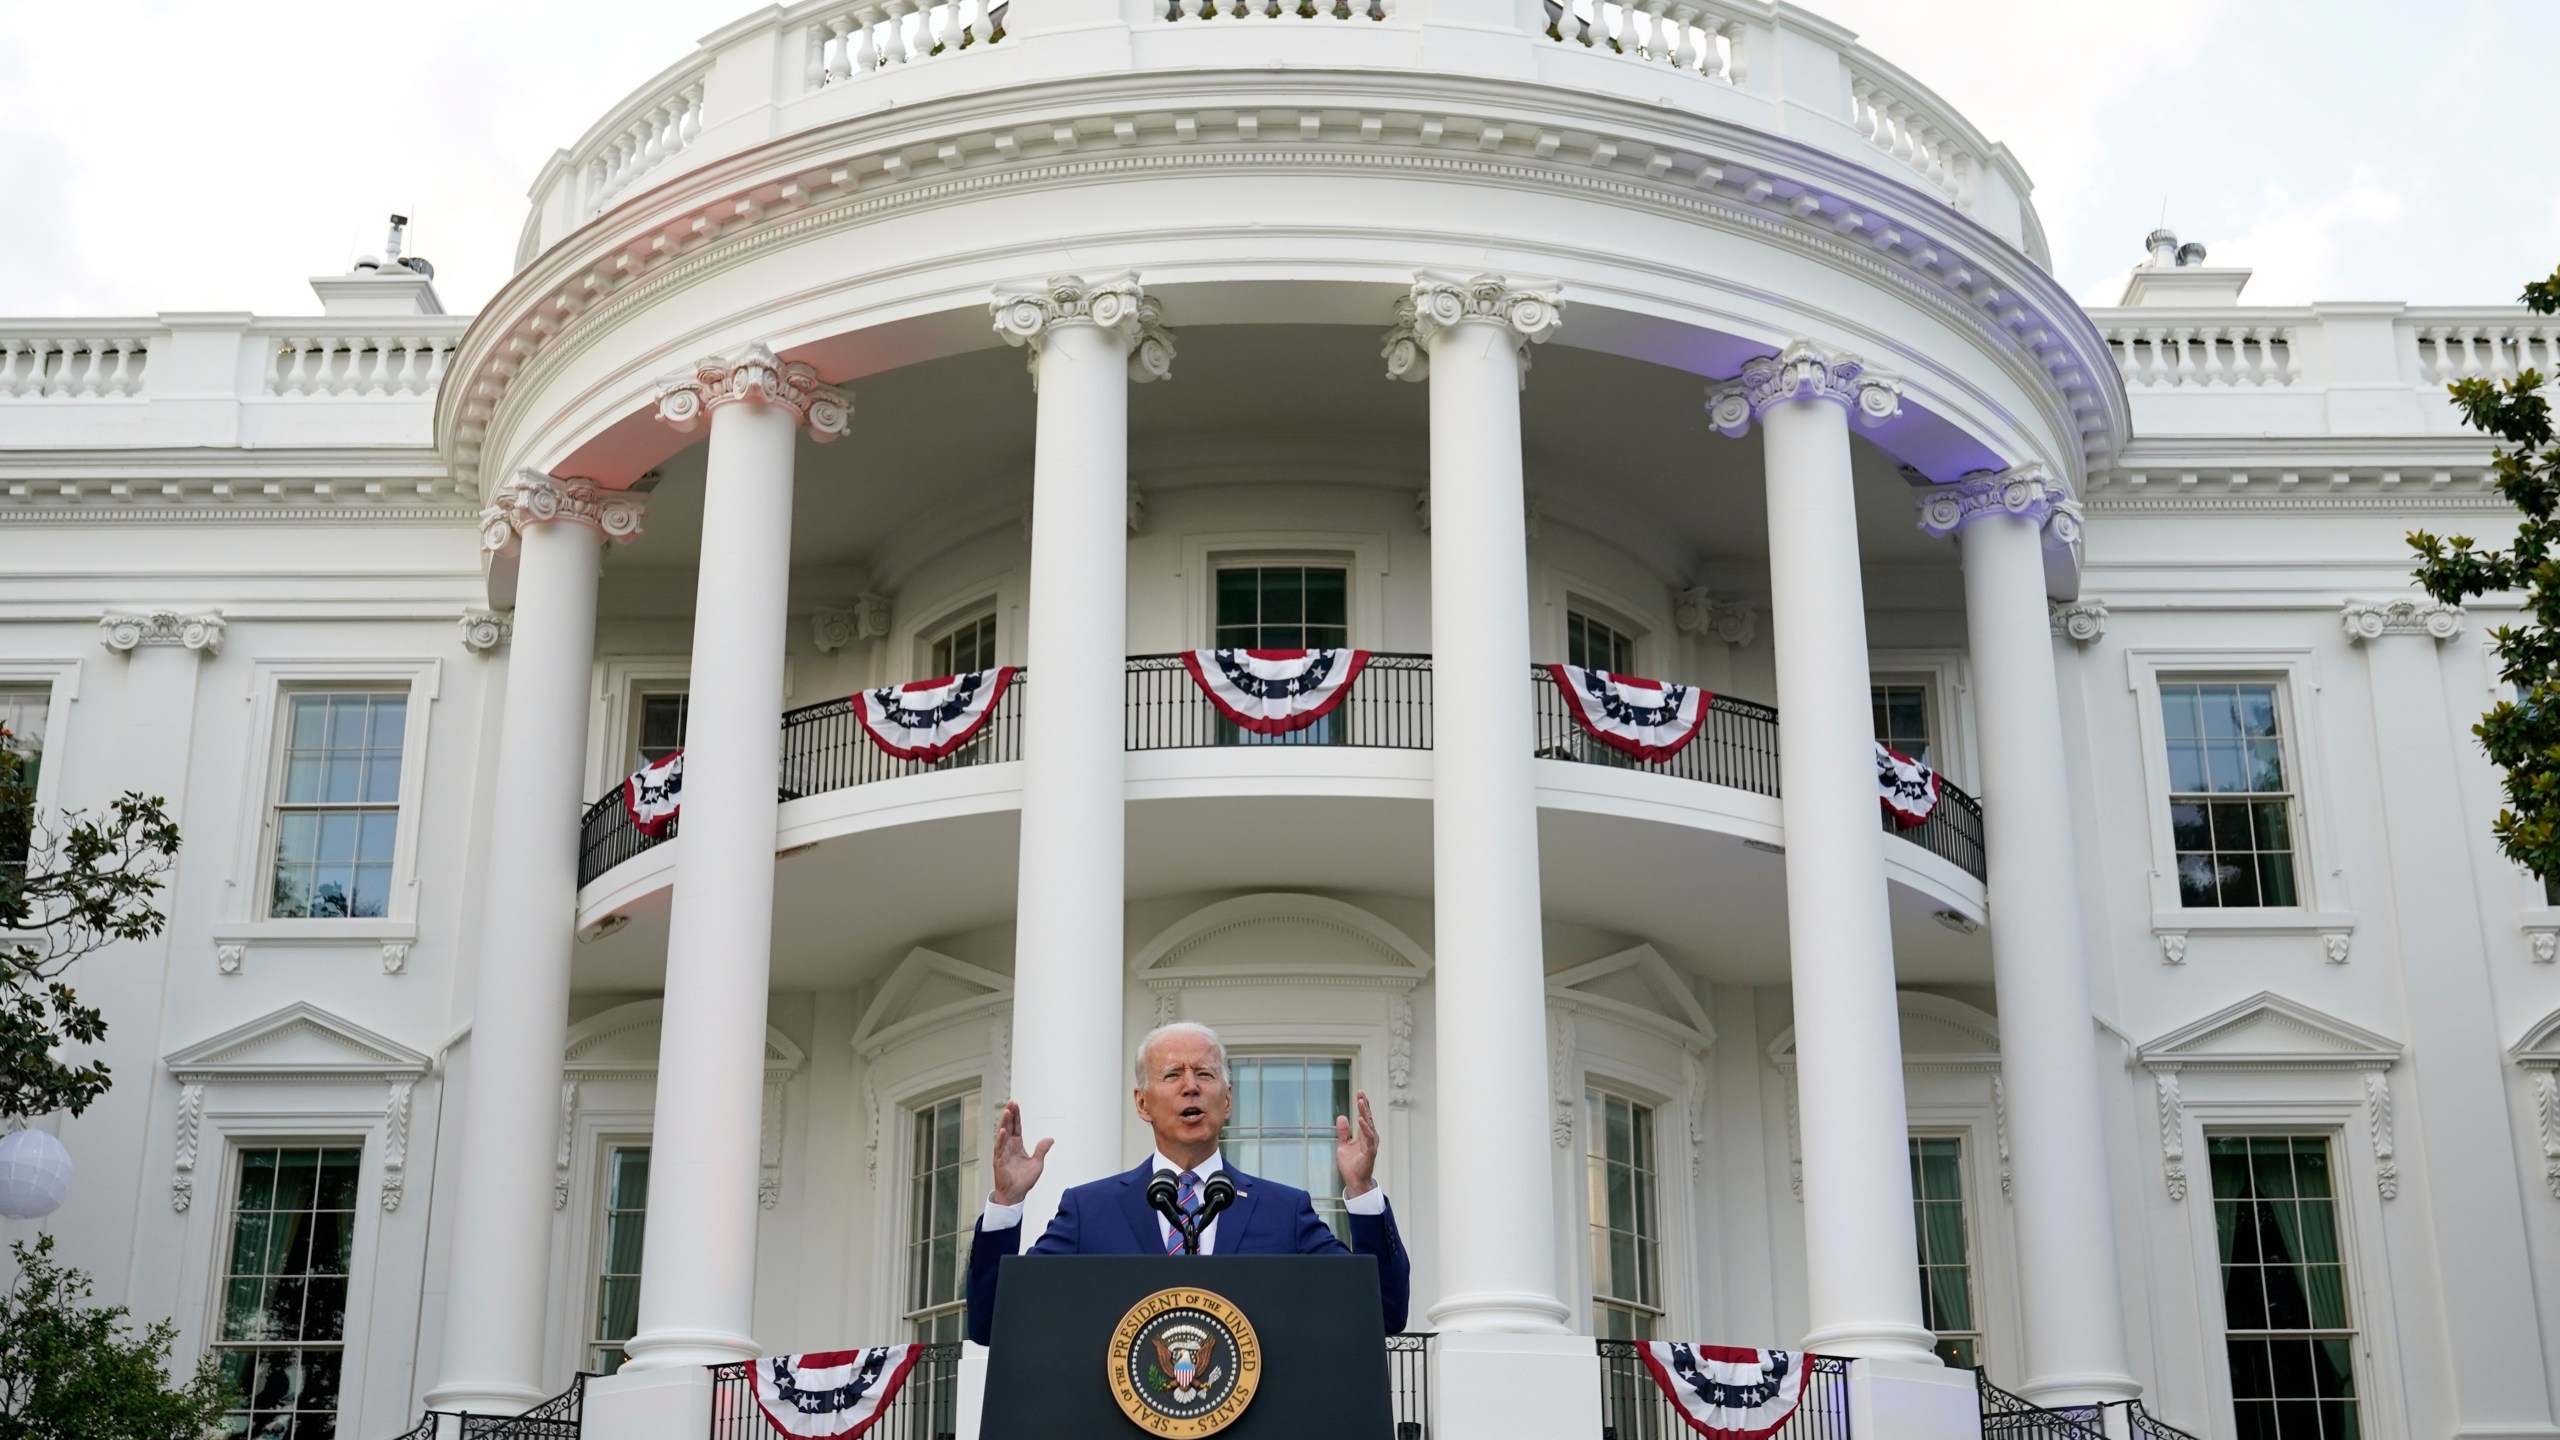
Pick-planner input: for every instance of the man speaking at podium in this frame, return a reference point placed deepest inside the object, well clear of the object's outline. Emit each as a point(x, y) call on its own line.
point(1182, 1094)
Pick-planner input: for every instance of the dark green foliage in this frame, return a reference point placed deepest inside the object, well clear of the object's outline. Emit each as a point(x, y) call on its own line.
point(2522, 736)
point(73, 1371)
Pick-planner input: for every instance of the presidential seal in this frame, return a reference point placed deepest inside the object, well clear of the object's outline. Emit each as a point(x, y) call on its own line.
point(1184, 1363)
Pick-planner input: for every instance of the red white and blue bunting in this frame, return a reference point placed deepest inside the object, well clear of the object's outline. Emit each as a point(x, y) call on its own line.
point(1648, 719)
point(928, 719)
point(1727, 1391)
point(1275, 692)
point(653, 794)
point(831, 1394)
point(1908, 788)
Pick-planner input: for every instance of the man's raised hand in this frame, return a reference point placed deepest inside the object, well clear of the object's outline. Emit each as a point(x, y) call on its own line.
point(1355, 1153)
point(1017, 1169)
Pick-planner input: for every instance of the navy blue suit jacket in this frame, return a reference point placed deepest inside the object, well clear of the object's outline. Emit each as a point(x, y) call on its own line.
point(1111, 1217)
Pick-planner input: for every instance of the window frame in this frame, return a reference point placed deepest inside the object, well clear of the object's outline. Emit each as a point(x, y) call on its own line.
point(1947, 676)
point(1562, 591)
point(2291, 794)
point(1362, 557)
point(931, 637)
point(279, 807)
point(1604, 1088)
point(2296, 676)
point(235, 1153)
point(2354, 1332)
point(61, 681)
point(1348, 1056)
point(1975, 1279)
point(603, 1145)
point(253, 866)
point(908, 1110)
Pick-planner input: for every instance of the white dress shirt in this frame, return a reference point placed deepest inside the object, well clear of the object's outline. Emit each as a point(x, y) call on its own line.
point(1372, 1201)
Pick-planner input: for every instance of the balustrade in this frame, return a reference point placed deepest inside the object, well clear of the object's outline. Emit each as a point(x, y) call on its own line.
point(655, 131)
point(1277, 9)
point(852, 40)
point(1919, 133)
point(1632, 1407)
point(1389, 707)
point(80, 367)
point(1683, 34)
point(2487, 351)
point(2187, 352)
point(372, 365)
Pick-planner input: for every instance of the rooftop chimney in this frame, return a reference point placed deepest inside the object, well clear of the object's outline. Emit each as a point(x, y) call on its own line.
point(394, 284)
point(2175, 274)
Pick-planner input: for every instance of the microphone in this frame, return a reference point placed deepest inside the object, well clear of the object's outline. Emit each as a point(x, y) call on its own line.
point(1164, 1196)
point(1216, 1194)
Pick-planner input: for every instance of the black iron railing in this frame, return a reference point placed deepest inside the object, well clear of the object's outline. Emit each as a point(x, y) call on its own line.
point(562, 1417)
point(1409, 1383)
point(927, 1407)
point(2141, 1424)
point(2014, 1417)
point(1389, 707)
point(1632, 1407)
point(425, 1429)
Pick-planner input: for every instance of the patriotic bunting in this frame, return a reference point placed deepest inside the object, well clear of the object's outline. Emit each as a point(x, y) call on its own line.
point(653, 794)
point(1908, 788)
point(1727, 1391)
point(1647, 719)
point(928, 719)
point(1274, 692)
point(831, 1394)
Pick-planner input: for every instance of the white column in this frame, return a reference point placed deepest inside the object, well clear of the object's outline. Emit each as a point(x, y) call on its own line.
point(2065, 1229)
point(1469, 338)
point(496, 1292)
point(697, 1264)
point(1861, 1256)
point(1070, 1066)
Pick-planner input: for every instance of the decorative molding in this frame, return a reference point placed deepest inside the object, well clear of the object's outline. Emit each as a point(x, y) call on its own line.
point(395, 1142)
point(2029, 492)
point(769, 1143)
point(565, 1148)
point(2082, 622)
point(2000, 1127)
point(1400, 1050)
point(833, 627)
point(395, 957)
point(2173, 1132)
point(871, 1121)
point(229, 956)
point(485, 630)
point(1560, 1082)
point(1000, 1053)
point(1695, 611)
point(124, 631)
point(1795, 1137)
point(2370, 620)
point(2377, 1114)
point(2546, 1113)
point(182, 1184)
point(1694, 1064)
point(1137, 509)
point(1168, 1003)
point(2546, 945)
point(1116, 303)
point(1803, 370)
point(533, 498)
point(2334, 945)
point(2268, 1031)
point(1439, 303)
point(2173, 948)
point(760, 377)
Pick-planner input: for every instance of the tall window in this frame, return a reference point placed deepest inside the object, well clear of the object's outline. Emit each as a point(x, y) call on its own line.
point(1283, 607)
point(1902, 719)
point(1946, 1265)
point(339, 816)
point(1283, 1125)
point(943, 1191)
point(626, 1220)
point(1626, 1291)
point(282, 1335)
point(969, 645)
point(22, 714)
point(662, 715)
point(1597, 644)
point(2284, 1288)
point(2230, 808)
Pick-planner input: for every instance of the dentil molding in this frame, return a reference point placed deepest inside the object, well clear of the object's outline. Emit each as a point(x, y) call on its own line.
point(2370, 620)
point(199, 631)
point(1116, 303)
point(533, 498)
point(1438, 304)
point(1802, 370)
point(759, 376)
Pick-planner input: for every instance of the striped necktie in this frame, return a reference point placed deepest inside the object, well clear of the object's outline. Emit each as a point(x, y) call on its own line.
point(1187, 1201)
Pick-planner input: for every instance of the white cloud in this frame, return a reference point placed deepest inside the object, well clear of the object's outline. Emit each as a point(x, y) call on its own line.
point(2307, 249)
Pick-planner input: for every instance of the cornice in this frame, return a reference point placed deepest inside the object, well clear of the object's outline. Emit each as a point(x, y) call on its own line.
point(850, 173)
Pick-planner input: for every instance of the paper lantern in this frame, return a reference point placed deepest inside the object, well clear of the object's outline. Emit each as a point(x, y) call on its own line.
point(35, 1175)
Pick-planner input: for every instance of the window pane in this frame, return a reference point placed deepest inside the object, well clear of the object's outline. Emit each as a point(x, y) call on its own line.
point(945, 1190)
point(1283, 1125)
point(2290, 1349)
point(284, 1297)
point(338, 805)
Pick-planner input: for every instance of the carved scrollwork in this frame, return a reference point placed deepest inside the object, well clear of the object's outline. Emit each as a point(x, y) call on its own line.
point(486, 630)
point(2368, 621)
point(2027, 491)
point(1438, 304)
point(2082, 622)
point(759, 376)
point(533, 498)
point(1116, 303)
point(1803, 370)
point(199, 631)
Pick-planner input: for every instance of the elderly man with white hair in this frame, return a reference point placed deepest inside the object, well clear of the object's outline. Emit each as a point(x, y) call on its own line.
point(1182, 1094)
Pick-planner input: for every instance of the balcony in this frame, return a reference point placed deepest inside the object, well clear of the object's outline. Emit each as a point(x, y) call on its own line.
point(1389, 708)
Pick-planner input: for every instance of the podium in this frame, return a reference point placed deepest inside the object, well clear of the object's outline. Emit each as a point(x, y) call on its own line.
point(1114, 1347)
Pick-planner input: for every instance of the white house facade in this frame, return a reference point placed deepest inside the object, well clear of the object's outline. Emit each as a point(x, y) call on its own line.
point(2198, 1048)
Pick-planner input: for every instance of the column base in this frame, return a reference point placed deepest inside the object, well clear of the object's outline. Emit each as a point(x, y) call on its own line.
point(669, 1349)
point(1515, 1387)
point(2057, 1391)
point(1897, 1400)
point(1504, 1312)
point(668, 1404)
point(1875, 1340)
point(485, 1397)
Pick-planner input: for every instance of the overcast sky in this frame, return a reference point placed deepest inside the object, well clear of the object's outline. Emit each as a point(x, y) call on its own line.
point(212, 154)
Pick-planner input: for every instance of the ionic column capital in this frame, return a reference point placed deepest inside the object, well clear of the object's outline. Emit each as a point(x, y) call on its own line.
point(759, 376)
point(1803, 370)
point(2028, 492)
point(1115, 303)
point(1440, 303)
point(2370, 620)
point(533, 498)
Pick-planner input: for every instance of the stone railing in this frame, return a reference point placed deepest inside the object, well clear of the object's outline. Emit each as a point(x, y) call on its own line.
point(1759, 63)
point(224, 379)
